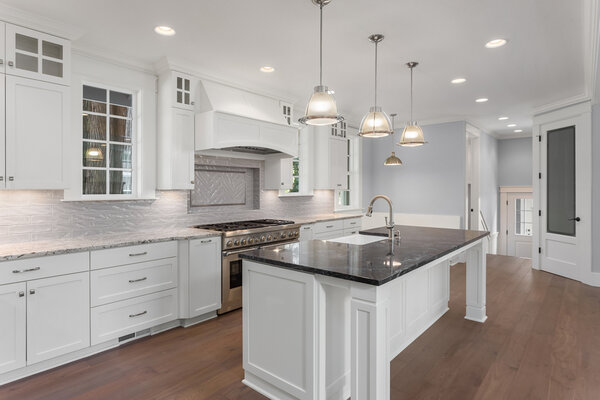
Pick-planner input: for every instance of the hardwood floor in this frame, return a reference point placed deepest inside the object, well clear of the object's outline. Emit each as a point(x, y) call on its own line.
point(541, 341)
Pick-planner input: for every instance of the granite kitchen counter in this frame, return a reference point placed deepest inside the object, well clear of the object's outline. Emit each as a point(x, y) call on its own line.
point(17, 251)
point(374, 263)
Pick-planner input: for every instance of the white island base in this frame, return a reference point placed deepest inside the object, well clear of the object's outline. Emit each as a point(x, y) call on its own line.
point(311, 336)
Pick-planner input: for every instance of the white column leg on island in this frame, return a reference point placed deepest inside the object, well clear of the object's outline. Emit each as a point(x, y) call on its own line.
point(370, 365)
point(476, 280)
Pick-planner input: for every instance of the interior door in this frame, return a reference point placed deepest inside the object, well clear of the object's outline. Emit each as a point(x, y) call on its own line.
point(519, 224)
point(565, 169)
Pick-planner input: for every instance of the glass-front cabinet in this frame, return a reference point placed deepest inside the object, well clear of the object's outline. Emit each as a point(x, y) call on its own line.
point(183, 91)
point(36, 55)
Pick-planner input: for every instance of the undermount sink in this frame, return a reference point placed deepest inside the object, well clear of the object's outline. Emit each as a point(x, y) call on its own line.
point(358, 239)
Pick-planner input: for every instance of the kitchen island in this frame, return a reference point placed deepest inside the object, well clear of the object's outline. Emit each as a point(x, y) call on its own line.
point(323, 319)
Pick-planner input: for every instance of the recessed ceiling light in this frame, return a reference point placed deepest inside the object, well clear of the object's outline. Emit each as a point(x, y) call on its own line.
point(492, 44)
point(481, 100)
point(511, 125)
point(266, 68)
point(518, 130)
point(164, 30)
point(458, 80)
point(502, 118)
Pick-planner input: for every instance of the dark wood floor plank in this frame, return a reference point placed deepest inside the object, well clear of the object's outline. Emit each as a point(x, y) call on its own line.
point(541, 341)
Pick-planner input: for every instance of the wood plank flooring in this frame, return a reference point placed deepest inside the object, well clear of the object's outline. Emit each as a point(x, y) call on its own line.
point(541, 341)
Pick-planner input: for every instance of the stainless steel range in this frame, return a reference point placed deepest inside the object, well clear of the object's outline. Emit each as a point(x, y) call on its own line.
point(238, 237)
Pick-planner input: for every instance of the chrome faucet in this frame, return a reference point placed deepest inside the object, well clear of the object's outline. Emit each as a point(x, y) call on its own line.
point(389, 222)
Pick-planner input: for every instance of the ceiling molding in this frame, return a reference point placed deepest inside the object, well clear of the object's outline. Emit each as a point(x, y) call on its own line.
point(38, 22)
point(514, 136)
point(580, 98)
point(112, 58)
point(593, 49)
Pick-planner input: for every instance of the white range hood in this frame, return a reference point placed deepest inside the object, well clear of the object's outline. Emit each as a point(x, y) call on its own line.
point(236, 120)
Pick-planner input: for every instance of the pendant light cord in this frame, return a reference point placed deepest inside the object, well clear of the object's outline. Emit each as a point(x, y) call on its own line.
point(321, 47)
point(376, 43)
point(411, 95)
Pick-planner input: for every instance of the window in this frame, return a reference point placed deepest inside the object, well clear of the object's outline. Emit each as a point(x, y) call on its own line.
point(108, 142)
point(295, 176)
point(524, 217)
point(349, 198)
point(343, 196)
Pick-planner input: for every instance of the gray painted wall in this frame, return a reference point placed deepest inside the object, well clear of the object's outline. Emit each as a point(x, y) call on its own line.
point(515, 162)
point(432, 179)
point(488, 181)
point(596, 187)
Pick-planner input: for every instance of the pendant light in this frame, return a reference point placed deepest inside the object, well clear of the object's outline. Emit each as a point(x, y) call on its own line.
point(321, 108)
point(412, 135)
point(393, 160)
point(376, 123)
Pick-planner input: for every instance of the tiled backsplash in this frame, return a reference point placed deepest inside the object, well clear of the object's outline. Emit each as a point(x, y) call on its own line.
point(42, 215)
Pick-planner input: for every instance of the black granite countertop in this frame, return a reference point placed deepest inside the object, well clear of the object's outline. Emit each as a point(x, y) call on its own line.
point(374, 263)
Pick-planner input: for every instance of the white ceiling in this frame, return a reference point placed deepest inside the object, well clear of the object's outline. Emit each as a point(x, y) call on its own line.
point(544, 62)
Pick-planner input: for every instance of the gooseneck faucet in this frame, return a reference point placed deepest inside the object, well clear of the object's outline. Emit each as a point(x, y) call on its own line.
point(389, 222)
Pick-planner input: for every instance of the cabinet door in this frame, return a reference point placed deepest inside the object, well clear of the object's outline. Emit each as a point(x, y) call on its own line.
point(13, 333)
point(278, 173)
point(204, 276)
point(286, 168)
point(338, 163)
point(306, 233)
point(3, 177)
point(36, 122)
point(182, 154)
point(184, 91)
point(36, 55)
point(58, 316)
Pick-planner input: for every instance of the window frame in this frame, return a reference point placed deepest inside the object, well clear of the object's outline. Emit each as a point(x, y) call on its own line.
point(135, 125)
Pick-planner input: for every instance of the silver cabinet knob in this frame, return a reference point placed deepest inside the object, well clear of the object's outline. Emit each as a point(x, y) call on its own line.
point(192, 182)
point(11, 178)
point(11, 63)
point(21, 294)
point(1, 179)
point(1, 61)
point(31, 291)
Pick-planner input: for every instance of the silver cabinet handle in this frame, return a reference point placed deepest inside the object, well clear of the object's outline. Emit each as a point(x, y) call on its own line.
point(20, 271)
point(206, 241)
point(31, 291)
point(10, 63)
point(11, 178)
point(138, 254)
point(329, 226)
point(138, 314)
point(138, 280)
point(21, 294)
point(1, 178)
point(1, 61)
point(192, 103)
point(339, 184)
point(306, 227)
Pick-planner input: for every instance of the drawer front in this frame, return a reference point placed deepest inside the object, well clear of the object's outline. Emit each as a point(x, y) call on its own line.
point(120, 283)
point(306, 232)
point(352, 223)
point(328, 226)
point(132, 254)
point(128, 316)
point(350, 231)
point(329, 235)
point(43, 267)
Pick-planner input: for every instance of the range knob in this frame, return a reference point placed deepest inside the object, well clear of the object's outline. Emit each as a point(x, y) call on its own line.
point(251, 240)
point(243, 242)
point(263, 238)
point(237, 243)
point(283, 235)
point(229, 243)
point(269, 238)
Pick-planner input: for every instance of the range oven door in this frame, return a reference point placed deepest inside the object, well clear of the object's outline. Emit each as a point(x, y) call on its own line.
point(231, 280)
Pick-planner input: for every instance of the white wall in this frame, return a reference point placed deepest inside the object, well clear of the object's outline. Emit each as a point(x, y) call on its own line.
point(488, 181)
point(432, 179)
point(515, 162)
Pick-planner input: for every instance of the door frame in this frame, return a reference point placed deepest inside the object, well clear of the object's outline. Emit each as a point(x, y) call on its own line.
point(472, 168)
point(582, 115)
point(505, 191)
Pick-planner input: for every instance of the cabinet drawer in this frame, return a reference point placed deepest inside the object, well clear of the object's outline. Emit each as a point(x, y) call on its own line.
point(121, 283)
point(43, 267)
point(128, 316)
point(328, 226)
point(350, 231)
point(352, 223)
point(133, 254)
point(306, 232)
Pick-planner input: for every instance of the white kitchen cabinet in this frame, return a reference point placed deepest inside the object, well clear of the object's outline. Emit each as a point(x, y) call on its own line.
point(13, 332)
point(58, 316)
point(3, 177)
point(279, 173)
point(2, 47)
point(36, 55)
point(306, 232)
point(176, 150)
point(203, 284)
point(330, 160)
point(36, 124)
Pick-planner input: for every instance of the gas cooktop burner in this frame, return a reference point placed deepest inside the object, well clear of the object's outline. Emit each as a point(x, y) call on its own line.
point(244, 225)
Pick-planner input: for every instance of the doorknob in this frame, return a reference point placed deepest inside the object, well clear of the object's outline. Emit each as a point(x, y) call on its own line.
point(576, 219)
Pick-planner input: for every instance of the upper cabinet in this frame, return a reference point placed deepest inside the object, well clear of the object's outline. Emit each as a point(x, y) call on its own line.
point(175, 162)
point(36, 55)
point(331, 157)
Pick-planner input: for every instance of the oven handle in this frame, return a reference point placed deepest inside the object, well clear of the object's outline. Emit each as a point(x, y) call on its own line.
point(229, 253)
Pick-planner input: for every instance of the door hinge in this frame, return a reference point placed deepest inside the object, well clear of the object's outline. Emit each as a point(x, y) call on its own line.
point(507, 231)
point(539, 138)
point(539, 250)
point(540, 175)
point(540, 213)
point(506, 202)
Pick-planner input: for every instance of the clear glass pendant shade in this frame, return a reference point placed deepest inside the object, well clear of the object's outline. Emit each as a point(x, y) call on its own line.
point(392, 160)
point(321, 108)
point(412, 136)
point(375, 124)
